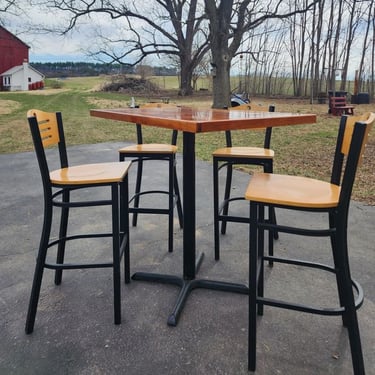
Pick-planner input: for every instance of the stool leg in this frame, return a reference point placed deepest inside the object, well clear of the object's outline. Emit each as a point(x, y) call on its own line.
point(137, 190)
point(170, 203)
point(177, 194)
point(216, 208)
point(39, 267)
point(228, 185)
point(62, 236)
point(268, 168)
point(124, 226)
point(273, 221)
point(253, 288)
point(347, 292)
point(336, 259)
point(260, 254)
point(116, 254)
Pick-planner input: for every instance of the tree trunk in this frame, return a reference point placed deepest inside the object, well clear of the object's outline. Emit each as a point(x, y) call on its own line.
point(186, 75)
point(220, 18)
point(221, 81)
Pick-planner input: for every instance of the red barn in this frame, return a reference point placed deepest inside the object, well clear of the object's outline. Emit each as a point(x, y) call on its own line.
point(15, 72)
point(13, 51)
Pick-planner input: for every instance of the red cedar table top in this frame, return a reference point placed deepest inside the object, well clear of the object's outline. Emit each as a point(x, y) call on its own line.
point(199, 120)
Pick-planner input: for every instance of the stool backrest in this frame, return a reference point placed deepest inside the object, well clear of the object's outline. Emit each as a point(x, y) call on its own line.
point(156, 105)
point(351, 142)
point(254, 108)
point(46, 131)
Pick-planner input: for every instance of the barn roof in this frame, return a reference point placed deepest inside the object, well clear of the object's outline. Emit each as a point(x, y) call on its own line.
point(17, 68)
point(13, 36)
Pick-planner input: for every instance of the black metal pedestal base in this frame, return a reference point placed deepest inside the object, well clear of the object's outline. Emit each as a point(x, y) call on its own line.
point(187, 286)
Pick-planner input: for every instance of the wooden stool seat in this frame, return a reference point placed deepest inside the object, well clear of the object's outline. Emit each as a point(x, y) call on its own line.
point(90, 174)
point(242, 152)
point(149, 148)
point(295, 191)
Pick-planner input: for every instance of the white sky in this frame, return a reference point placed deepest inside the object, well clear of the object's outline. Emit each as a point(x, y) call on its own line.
point(50, 47)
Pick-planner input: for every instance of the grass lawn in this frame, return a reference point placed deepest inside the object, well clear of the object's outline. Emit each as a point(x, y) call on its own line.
point(302, 150)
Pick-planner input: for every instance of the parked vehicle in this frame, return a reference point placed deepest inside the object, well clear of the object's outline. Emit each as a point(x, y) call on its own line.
point(239, 99)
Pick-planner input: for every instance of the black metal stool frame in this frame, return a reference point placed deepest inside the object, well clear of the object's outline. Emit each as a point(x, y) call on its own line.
point(173, 187)
point(337, 231)
point(221, 210)
point(61, 198)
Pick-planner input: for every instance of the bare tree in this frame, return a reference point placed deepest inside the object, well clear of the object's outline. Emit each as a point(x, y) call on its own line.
point(229, 20)
point(8, 6)
point(366, 43)
point(298, 48)
point(372, 54)
point(356, 13)
point(152, 28)
point(316, 50)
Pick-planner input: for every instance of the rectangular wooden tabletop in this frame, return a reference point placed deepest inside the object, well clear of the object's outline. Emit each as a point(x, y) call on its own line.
point(201, 120)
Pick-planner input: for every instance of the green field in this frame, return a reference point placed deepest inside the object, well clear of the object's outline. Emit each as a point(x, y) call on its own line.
point(303, 150)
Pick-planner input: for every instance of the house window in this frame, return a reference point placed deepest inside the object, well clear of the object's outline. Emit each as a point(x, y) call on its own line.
point(6, 81)
point(29, 79)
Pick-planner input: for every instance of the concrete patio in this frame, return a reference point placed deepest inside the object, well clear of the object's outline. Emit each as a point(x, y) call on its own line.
point(74, 331)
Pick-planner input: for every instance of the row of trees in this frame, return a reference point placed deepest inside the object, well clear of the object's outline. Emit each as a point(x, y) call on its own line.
point(333, 42)
point(310, 40)
point(81, 69)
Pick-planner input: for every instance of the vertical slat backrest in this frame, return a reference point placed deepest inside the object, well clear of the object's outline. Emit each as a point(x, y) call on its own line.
point(351, 141)
point(354, 157)
point(47, 130)
point(47, 123)
point(156, 105)
point(253, 108)
point(350, 122)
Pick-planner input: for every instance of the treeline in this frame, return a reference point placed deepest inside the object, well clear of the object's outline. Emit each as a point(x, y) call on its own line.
point(85, 69)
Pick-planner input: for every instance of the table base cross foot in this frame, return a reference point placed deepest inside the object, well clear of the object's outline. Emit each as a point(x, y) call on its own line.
point(187, 286)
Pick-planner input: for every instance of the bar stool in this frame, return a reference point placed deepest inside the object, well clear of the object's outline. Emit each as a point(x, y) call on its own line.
point(228, 157)
point(142, 152)
point(58, 186)
point(310, 196)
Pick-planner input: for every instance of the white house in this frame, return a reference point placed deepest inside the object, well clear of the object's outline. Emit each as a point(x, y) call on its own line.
point(22, 78)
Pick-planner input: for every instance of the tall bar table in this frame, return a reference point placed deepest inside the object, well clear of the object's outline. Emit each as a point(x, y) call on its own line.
point(191, 121)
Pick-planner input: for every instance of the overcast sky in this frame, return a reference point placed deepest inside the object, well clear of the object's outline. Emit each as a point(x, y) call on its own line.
point(49, 47)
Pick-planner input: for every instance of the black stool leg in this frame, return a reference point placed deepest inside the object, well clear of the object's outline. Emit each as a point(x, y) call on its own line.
point(253, 286)
point(39, 267)
point(273, 221)
point(137, 190)
point(124, 226)
point(178, 197)
point(170, 203)
point(116, 254)
point(336, 259)
point(268, 168)
point(216, 208)
point(62, 236)
point(260, 255)
point(228, 184)
point(345, 285)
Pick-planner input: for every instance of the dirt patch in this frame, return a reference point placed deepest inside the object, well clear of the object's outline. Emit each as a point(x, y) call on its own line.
point(105, 103)
point(8, 106)
point(46, 91)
